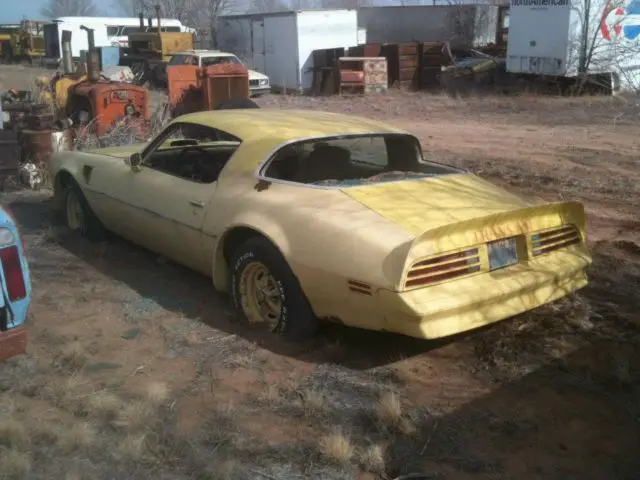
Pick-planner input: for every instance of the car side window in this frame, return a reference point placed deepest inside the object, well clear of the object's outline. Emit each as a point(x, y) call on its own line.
point(192, 152)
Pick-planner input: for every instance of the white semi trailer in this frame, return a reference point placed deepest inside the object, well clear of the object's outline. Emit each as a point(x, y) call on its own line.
point(594, 40)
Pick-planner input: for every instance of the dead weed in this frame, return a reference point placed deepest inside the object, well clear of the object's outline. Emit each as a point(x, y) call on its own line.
point(314, 403)
point(103, 405)
point(13, 434)
point(337, 448)
point(374, 460)
point(137, 416)
point(14, 465)
point(132, 447)
point(389, 412)
point(79, 436)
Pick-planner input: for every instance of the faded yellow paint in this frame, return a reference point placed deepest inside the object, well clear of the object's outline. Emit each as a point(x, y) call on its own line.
point(371, 234)
point(435, 201)
point(285, 125)
point(62, 87)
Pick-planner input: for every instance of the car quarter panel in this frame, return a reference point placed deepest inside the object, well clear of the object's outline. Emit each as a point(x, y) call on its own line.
point(326, 237)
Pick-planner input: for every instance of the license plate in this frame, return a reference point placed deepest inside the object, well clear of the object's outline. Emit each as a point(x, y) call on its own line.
point(503, 253)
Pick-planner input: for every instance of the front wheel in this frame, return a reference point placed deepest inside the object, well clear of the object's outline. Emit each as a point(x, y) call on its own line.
point(266, 293)
point(79, 216)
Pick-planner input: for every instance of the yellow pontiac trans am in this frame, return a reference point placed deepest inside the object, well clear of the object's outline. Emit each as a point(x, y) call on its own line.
point(307, 215)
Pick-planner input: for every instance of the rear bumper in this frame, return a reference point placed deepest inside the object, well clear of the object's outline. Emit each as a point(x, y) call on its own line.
point(455, 307)
point(12, 343)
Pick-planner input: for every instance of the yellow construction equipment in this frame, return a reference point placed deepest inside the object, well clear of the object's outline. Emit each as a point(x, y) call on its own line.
point(25, 42)
point(5, 37)
point(148, 51)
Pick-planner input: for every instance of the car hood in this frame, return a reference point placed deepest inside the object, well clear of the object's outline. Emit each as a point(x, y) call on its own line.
point(124, 151)
point(429, 203)
point(253, 75)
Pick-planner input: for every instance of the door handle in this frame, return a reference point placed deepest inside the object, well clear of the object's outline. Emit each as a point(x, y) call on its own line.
point(196, 203)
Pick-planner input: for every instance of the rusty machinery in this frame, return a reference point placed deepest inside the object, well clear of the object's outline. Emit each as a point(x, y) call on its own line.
point(194, 89)
point(25, 42)
point(93, 100)
point(150, 51)
point(6, 31)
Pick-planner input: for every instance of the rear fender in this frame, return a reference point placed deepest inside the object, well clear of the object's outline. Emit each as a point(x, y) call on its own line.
point(262, 226)
point(19, 308)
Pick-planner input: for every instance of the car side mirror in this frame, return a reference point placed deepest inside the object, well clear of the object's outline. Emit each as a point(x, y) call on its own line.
point(135, 162)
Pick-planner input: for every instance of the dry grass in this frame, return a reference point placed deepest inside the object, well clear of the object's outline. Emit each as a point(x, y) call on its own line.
point(132, 447)
point(157, 393)
point(337, 448)
point(72, 357)
point(225, 470)
point(314, 403)
point(389, 412)
point(73, 475)
point(14, 465)
point(123, 132)
point(13, 434)
point(65, 394)
point(79, 436)
point(271, 395)
point(103, 404)
point(374, 459)
point(135, 416)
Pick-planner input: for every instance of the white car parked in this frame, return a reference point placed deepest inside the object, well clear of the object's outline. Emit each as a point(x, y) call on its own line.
point(258, 82)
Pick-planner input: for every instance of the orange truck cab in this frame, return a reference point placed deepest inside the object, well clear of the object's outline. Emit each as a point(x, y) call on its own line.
point(194, 89)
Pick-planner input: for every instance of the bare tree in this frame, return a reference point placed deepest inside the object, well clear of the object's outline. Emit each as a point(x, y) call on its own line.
point(267, 6)
point(62, 8)
point(602, 43)
point(179, 9)
point(199, 14)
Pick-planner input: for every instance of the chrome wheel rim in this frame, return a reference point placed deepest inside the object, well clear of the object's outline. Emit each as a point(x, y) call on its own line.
point(75, 215)
point(260, 296)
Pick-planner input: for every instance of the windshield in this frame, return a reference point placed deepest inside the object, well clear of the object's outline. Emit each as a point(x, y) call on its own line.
point(207, 61)
point(354, 160)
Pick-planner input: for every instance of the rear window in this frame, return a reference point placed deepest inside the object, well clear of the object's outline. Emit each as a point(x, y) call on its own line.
point(353, 160)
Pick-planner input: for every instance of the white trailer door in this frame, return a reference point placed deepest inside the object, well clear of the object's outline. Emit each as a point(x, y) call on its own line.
point(257, 45)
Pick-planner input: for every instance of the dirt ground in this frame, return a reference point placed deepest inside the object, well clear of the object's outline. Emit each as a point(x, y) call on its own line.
point(135, 371)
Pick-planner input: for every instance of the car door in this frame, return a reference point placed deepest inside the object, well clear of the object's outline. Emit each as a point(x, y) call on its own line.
point(121, 198)
point(169, 208)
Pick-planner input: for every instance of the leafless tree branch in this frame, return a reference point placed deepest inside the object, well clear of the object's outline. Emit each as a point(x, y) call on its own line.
point(62, 8)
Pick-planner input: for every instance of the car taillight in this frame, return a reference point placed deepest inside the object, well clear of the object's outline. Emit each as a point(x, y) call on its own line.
point(12, 268)
point(15, 223)
point(443, 267)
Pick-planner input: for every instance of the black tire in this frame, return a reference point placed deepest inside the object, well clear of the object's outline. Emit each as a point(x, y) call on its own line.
point(91, 227)
point(235, 104)
point(297, 321)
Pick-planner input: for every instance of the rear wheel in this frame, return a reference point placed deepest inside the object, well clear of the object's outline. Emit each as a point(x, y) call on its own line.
point(79, 216)
point(267, 294)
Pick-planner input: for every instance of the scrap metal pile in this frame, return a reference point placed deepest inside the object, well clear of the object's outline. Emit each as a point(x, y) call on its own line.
point(74, 109)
